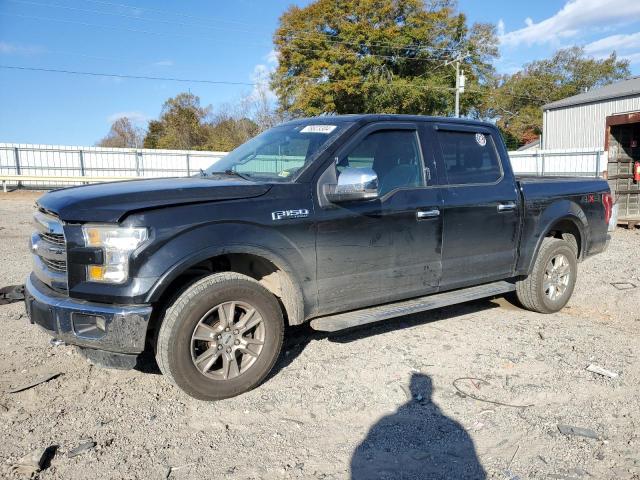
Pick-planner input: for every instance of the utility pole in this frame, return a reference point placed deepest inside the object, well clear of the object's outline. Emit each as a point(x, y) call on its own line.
point(460, 80)
point(457, 88)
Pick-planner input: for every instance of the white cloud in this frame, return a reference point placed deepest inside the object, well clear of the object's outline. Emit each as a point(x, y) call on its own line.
point(634, 58)
point(13, 48)
point(575, 18)
point(500, 27)
point(627, 46)
point(164, 63)
point(273, 57)
point(135, 117)
point(7, 47)
point(261, 75)
point(615, 42)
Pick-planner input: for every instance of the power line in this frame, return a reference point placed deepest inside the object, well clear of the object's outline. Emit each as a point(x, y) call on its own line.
point(254, 84)
point(118, 75)
point(287, 36)
point(169, 12)
point(122, 15)
point(253, 26)
point(151, 32)
point(214, 82)
point(109, 27)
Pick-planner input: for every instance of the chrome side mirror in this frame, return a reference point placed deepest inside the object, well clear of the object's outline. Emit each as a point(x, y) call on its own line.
point(354, 184)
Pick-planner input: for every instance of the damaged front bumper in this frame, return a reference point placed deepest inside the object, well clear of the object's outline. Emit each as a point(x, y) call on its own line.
point(103, 330)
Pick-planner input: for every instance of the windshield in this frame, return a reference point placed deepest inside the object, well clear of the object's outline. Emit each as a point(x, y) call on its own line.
point(277, 154)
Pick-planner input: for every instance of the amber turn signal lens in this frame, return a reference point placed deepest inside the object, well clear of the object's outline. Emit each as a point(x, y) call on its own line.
point(95, 272)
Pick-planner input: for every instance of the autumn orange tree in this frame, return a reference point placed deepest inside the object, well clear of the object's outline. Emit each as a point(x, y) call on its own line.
point(384, 56)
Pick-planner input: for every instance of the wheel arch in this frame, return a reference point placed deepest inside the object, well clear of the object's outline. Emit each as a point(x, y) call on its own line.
point(563, 219)
point(269, 269)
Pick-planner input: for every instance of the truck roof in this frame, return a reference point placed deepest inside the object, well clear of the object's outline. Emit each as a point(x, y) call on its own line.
point(376, 117)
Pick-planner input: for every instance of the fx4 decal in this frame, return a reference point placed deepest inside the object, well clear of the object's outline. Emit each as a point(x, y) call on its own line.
point(283, 214)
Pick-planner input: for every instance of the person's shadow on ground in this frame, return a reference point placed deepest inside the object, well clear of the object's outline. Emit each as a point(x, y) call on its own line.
point(417, 442)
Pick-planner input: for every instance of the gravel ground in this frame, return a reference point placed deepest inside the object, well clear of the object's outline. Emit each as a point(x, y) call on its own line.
point(377, 402)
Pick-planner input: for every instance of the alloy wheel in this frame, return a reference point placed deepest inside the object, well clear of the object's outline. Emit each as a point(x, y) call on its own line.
point(556, 277)
point(227, 340)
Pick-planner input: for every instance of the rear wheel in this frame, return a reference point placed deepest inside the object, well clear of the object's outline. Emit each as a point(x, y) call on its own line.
point(549, 286)
point(221, 337)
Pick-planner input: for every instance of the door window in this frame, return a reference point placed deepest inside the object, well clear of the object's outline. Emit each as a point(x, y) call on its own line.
point(393, 154)
point(469, 157)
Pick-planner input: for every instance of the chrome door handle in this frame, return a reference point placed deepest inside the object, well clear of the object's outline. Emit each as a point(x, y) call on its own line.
point(505, 207)
point(420, 214)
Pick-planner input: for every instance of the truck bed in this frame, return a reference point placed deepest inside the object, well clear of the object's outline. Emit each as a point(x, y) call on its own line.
point(552, 179)
point(543, 188)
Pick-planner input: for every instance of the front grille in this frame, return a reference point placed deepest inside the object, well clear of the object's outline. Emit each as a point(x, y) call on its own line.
point(54, 238)
point(57, 265)
point(49, 249)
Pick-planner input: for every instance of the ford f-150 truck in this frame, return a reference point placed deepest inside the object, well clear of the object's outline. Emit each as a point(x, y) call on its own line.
point(337, 220)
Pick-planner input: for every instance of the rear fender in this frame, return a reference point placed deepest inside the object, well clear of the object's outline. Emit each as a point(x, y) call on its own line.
point(540, 221)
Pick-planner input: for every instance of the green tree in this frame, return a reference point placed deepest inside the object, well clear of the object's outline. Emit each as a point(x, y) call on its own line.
point(226, 132)
point(518, 99)
point(186, 125)
point(155, 130)
point(385, 56)
point(123, 134)
point(182, 124)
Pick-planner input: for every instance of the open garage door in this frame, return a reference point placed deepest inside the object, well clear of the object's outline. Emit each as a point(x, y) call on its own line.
point(623, 145)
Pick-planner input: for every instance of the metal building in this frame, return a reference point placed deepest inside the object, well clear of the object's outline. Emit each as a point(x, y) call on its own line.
point(608, 119)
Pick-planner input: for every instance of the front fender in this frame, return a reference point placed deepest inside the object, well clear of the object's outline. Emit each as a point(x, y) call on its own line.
point(211, 240)
point(540, 218)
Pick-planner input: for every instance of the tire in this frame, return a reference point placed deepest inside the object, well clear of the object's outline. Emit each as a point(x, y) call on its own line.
point(534, 293)
point(572, 241)
point(195, 332)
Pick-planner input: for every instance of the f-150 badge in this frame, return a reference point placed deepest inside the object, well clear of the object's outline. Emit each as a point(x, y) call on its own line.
point(283, 214)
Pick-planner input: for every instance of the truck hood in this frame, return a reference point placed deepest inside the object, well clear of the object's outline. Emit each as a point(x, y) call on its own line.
point(111, 202)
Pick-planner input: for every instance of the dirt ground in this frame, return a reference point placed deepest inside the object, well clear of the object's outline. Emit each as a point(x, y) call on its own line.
point(377, 402)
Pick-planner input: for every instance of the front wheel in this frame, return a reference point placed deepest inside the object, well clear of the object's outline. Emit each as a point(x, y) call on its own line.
point(549, 286)
point(221, 337)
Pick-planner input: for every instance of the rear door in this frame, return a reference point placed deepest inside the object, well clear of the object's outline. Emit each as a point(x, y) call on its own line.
point(481, 209)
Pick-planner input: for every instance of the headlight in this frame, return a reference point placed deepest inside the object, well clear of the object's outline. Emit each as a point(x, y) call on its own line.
point(117, 244)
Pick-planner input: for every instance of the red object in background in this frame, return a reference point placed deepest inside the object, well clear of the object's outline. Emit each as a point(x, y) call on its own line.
point(636, 171)
point(607, 201)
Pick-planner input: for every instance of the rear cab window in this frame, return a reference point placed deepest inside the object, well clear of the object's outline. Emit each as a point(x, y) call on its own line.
point(469, 157)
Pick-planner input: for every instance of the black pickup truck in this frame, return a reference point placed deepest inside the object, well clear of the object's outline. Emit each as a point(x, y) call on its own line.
point(338, 220)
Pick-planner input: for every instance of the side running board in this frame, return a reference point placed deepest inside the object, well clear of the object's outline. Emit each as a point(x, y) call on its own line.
point(355, 318)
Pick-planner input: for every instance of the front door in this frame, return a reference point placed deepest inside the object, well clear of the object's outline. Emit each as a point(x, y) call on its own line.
point(481, 207)
point(377, 251)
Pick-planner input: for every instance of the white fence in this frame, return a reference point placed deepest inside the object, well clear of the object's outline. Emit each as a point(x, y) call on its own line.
point(66, 161)
point(571, 162)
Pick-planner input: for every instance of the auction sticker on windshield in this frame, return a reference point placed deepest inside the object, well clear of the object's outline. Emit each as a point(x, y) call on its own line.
point(318, 129)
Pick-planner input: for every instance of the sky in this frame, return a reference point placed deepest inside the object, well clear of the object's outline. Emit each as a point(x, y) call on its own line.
point(217, 40)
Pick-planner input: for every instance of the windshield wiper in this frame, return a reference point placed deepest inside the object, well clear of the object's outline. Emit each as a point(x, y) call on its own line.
point(231, 172)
